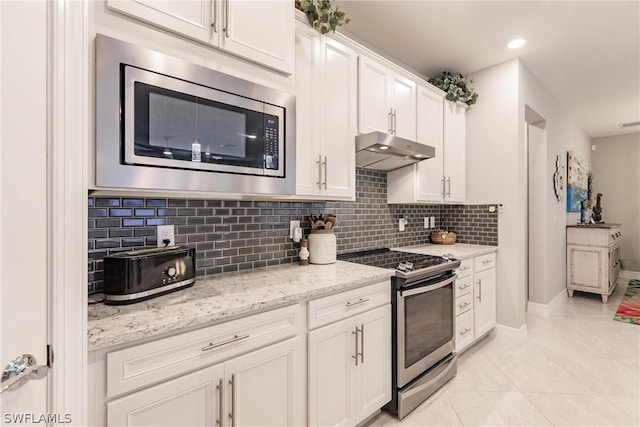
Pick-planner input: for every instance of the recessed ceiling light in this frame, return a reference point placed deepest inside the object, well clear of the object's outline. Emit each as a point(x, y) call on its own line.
point(514, 44)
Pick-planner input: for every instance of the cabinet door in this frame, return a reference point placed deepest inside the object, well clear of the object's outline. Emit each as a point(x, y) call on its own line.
point(454, 152)
point(587, 267)
point(339, 101)
point(484, 309)
point(373, 378)
point(266, 387)
point(260, 30)
point(194, 19)
point(190, 400)
point(308, 162)
point(332, 375)
point(403, 102)
point(373, 97)
point(429, 131)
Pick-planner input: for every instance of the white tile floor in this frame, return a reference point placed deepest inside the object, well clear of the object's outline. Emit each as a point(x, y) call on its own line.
point(577, 367)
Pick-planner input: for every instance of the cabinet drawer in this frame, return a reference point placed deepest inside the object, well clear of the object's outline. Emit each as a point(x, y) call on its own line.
point(340, 306)
point(485, 262)
point(153, 362)
point(466, 268)
point(464, 286)
point(464, 330)
point(464, 303)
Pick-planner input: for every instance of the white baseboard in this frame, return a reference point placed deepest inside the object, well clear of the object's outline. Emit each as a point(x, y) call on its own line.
point(627, 274)
point(507, 331)
point(543, 310)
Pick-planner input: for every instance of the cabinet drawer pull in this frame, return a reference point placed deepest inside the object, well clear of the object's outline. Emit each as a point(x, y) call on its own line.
point(487, 261)
point(465, 286)
point(220, 402)
point(465, 331)
point(229, 341)
point(465, 268)
point(360, 301)
point(464, 305)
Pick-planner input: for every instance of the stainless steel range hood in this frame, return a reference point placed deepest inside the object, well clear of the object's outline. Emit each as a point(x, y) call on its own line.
point(380, 151)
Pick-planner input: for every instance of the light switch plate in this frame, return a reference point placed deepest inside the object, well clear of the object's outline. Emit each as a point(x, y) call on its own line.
point(426, 222)
point(433, 222)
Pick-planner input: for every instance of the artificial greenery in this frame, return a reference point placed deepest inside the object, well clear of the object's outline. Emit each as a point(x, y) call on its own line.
point(456, 86)
point(322, 15)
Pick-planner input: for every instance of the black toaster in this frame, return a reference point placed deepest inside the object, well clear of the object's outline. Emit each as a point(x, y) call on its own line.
point(141, 274)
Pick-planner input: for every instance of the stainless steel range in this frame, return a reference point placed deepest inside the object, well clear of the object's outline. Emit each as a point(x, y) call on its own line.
point(423, 323)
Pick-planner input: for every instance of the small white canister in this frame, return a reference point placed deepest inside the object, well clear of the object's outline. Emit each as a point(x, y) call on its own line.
point(322, 247)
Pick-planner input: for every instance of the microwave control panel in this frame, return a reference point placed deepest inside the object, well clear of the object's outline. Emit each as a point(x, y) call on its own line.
point(271, 142)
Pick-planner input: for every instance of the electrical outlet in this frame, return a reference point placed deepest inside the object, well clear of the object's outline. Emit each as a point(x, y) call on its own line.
point(292, 229)
point(165, 235)
point(426, 222)
point(433, 222)
point(401, 223)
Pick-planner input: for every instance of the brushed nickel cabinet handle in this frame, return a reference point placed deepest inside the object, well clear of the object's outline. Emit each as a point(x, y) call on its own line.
point(221, 343)
point(395, 122)
point(442, 180)
point(360, 301)
point(390, 121)
point(486, 261)
point(232, 414)
point(362, 343)
point(480, 289)
point(319, 162)
point(214, 23)
point(464, 305)
point(356, 341)
point(465, 331)
point(220, 402)
point(449, 192)
point(226, 18)
point(325, 172)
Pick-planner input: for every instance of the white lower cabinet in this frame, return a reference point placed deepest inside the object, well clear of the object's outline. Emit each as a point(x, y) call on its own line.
point(350, 367)
point(475, 299)
point(263, 388)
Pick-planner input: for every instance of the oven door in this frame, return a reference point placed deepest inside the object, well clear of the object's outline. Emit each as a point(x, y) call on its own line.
point(425, 323)
point(173, 123)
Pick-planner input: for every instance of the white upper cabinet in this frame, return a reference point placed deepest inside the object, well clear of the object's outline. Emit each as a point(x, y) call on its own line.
point(326, 116)
point(430, 132)
point(261, 31)
point(441, 124)
point(454, 151)
point(387, 100)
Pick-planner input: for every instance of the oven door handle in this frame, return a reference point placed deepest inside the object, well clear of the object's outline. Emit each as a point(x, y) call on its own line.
point(428, 288)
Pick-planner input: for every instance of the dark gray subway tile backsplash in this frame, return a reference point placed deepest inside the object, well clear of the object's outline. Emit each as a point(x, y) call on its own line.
point(231, 235)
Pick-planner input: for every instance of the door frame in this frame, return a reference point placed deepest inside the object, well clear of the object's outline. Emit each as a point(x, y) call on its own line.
point(68, 139)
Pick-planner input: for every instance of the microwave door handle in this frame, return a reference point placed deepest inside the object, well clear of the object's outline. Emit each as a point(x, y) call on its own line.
point(429, 288)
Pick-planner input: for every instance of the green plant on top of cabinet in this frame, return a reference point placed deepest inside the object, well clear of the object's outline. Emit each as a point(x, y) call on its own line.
point(326, 115)
point(387, 100)
point(441, 124)
point(235, 26)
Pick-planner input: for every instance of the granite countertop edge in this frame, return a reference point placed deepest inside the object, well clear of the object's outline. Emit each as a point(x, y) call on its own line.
point(218, 297)
point(460, 251)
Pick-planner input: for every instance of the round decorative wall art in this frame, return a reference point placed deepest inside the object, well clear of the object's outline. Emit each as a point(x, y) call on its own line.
point(558, 178)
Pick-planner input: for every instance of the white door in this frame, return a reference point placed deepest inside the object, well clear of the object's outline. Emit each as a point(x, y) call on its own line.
point(454, 152)
point(332, 375)
point(373, 379)
point(189, 400)
point(429, 132)
point(266, 387)
point(373, 97)
point(23, 199)
point(484, 308)
point(261, 31)
point(403, 102)
point(339, 92)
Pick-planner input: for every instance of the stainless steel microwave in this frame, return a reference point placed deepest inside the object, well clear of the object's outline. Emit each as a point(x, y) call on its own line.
point(167, 124)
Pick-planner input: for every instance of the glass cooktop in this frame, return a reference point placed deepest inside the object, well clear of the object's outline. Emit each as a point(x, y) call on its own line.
point(386, 258)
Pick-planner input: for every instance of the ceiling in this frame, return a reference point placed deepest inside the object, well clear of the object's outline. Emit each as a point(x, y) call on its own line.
point(586, 53)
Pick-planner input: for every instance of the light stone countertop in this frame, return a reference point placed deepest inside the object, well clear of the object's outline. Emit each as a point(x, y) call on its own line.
point(460, 251)
point(216, 297)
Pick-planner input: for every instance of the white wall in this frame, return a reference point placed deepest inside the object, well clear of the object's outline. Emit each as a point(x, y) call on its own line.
point(494, 157)
point(616, 174)
point(562, 134)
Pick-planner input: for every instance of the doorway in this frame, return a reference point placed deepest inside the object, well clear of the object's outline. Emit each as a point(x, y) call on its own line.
point(536, 206)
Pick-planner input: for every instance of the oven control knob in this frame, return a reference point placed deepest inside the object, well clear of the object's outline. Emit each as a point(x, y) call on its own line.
point(171, 272)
